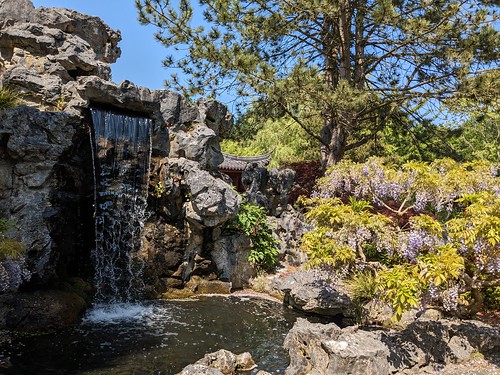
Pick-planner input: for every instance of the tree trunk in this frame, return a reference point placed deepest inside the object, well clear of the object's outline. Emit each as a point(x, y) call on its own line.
point(334, 135)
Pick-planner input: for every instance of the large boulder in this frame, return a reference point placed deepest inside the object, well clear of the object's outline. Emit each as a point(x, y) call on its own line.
point(19, 10)
point(268, 188)
point(326, 349)
point(289, 228)
point(221, 362)
point(43, 51)
point(42, 311)
point(212, 201)
point(314, 292)
point(230, 254)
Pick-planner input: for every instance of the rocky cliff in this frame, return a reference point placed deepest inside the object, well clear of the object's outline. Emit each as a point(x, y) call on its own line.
point(58, 60)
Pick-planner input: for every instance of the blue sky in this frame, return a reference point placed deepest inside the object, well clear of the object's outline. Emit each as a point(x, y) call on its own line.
point(141, 57)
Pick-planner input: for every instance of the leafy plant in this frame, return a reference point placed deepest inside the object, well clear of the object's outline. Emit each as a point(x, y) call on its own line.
point(252, 221)
point(324, 251)
point(345, 226)
point(400, 286)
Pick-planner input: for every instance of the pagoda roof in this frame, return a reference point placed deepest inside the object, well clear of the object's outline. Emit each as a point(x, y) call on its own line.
point(239, 163)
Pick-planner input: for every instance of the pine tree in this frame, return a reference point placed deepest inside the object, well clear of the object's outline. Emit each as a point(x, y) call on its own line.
point(341, 69)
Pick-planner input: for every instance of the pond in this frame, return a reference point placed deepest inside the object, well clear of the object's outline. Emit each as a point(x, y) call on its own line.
point(156, 337)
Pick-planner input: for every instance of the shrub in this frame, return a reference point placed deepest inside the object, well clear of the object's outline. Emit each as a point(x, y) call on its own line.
point(252, 221)
point(447, 246)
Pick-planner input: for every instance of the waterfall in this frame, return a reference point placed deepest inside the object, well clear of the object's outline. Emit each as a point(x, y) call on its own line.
point(122, 153)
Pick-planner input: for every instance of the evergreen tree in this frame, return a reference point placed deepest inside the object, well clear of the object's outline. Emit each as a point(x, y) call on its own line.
point(341, 69)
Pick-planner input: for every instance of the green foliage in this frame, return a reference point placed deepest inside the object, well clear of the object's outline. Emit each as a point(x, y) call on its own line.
point(399, 286)
point(159, 189)
point(413, 186)
point(346, 229)
point(492, 298)
point(334, 67)
point(8, 98)
point(252, 221)
point(477, 231)
point(324, 251)
point(439, 266)
point(11, 249)
point(5, 226)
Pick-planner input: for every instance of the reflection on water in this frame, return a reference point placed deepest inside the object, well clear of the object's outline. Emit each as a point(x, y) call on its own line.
point(158, 337)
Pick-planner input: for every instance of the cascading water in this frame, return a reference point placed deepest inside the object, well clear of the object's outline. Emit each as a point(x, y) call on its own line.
point(122, 153)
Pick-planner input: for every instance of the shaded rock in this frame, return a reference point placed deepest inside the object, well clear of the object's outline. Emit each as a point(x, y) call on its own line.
point(42, 311)
point(216, 116)
point(313, 292)
point(163, 252)
point(202, 286)
point(289, 229)
point(35, 142)
point(268, 188)
point(230, 254)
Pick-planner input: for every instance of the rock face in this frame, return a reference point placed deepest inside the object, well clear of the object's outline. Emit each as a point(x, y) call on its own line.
point(327, 349)
point(59, 61)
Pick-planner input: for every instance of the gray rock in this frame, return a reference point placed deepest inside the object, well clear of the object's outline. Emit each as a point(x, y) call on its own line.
point(268, 188)
point(216, 116)
point(223, 361)
point(35, 141)
point(289, 229)
point(199, 369)
point(41, 312)
point(326, 349)
point(230, 254)
point(199, 144)
point(313, 292)
point(102, 39)
point(212, 201)
point(357, 353)
point(19, 10)
point(304, 345)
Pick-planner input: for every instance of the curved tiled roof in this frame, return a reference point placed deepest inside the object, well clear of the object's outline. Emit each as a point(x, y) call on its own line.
point(239, 163)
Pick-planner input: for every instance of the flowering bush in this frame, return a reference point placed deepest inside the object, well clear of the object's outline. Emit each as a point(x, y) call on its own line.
point(447, 246)
point(13, 271)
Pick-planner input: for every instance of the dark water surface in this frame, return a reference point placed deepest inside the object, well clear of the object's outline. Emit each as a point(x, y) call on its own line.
point(157, 337)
